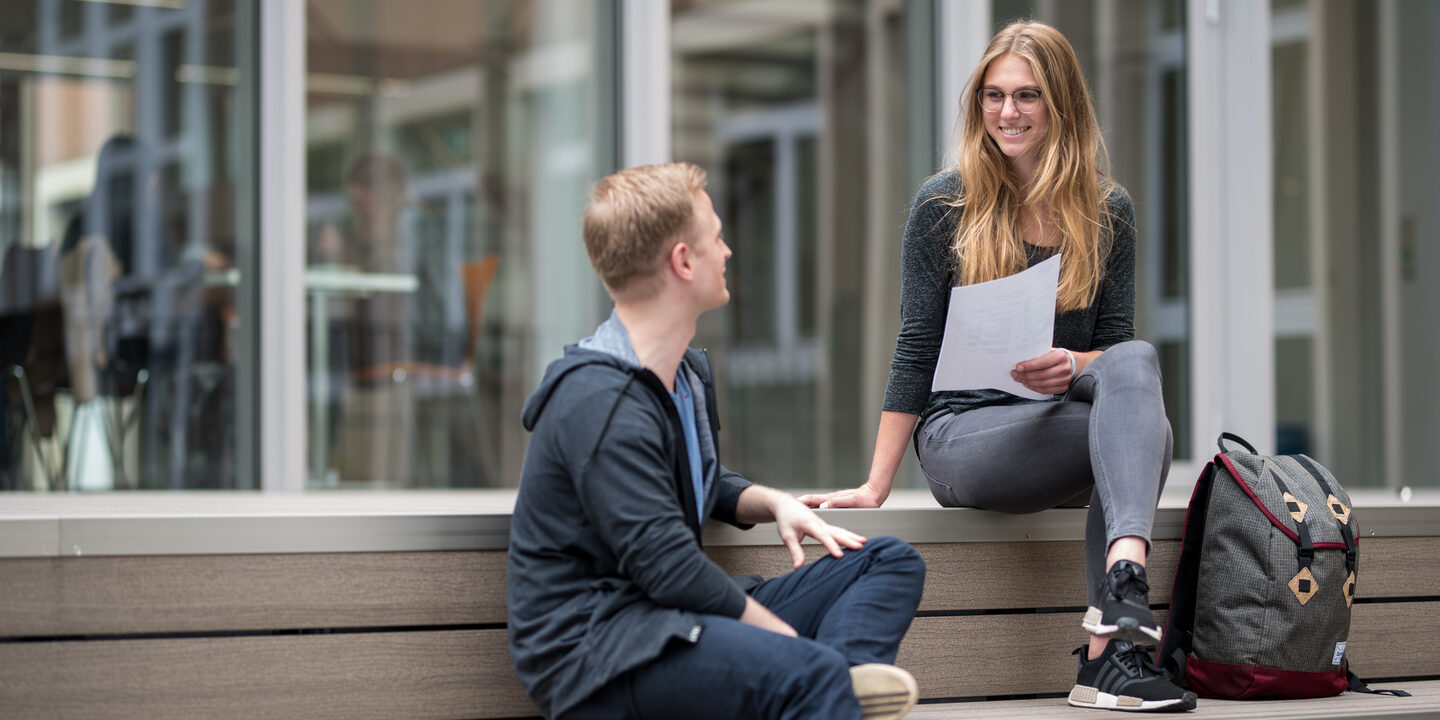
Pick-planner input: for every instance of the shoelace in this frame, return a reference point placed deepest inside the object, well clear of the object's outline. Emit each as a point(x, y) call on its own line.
point(1127, 582)
point(1137, 658)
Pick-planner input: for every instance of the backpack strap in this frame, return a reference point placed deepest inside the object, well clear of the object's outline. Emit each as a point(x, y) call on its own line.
point(1358, 685)
point(1306, 553)
point(1349, 537)
point(1180, 626)
point(1220, 442)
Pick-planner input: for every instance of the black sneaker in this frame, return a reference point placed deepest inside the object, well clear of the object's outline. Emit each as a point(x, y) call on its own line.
point(1124, 678)
point(1124, 611)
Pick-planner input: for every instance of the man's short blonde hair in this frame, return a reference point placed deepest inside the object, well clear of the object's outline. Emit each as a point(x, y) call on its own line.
point(634, 217)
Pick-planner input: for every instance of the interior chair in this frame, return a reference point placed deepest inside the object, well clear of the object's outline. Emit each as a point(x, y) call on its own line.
point(29, 355)
point(15, 333)
point(411, 378)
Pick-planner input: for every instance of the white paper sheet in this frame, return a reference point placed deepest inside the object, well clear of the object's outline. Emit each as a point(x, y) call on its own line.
point(992, 326)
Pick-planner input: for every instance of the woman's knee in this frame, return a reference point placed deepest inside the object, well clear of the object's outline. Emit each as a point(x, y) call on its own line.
point(1133, 363)
point(1134, 353)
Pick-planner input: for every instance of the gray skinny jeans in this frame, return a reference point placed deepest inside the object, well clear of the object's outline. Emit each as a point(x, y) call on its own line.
point(1107, 439)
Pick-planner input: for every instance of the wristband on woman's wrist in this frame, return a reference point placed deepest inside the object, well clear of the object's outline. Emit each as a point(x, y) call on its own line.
point(1072, 362)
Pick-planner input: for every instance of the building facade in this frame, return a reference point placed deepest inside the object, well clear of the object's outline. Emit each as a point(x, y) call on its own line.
point(333, 244)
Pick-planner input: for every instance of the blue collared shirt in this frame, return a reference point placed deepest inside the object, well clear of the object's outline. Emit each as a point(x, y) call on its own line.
point(685, 403)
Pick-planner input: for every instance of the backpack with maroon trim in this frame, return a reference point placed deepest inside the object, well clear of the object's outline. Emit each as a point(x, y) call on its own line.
point(1266, 578)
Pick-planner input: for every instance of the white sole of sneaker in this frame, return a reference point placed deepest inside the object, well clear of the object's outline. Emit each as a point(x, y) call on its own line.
point(1127, 629)
point(885, 692)
point(1089, 697)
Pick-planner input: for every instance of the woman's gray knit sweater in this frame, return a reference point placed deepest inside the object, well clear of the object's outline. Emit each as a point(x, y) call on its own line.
point(928, 271)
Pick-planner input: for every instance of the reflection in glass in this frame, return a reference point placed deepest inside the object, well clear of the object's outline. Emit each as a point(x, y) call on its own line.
point(773, 100)
point(1356, 305)
point(1295, 416)
point(118, 196)
point(450, 147)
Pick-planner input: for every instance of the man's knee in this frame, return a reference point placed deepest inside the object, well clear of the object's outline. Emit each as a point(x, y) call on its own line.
point(897, 555)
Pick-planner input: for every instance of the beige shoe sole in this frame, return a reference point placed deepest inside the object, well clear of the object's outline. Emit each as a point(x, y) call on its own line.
point(885, 692)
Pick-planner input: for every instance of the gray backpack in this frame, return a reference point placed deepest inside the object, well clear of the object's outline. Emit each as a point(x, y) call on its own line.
point(1267, 573)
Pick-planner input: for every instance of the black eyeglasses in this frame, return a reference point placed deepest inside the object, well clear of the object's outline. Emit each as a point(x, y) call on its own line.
point(1026, 100)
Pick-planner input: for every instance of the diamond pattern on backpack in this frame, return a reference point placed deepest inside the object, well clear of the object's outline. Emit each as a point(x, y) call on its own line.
point(1341, 512)
point(1349, 590)
point(1303, 585)
point(1295, 508)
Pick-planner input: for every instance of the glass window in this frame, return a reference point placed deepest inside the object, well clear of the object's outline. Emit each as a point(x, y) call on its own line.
point(812, 169)
point(1295, 429)
point(450, 149)
point(1355, 216)
point(124, 173)
point(1133, 54)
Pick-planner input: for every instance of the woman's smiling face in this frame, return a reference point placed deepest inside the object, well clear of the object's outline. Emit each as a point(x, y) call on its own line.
point(1017, 134)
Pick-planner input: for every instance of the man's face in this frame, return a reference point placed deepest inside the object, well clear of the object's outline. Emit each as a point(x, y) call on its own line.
point(708, 253)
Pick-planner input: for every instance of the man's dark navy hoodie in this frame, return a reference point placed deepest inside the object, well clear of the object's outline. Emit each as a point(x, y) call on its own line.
point(605, 563)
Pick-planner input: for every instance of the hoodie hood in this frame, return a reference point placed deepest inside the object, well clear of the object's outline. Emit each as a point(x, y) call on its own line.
point(609, 346)
point(612, 339)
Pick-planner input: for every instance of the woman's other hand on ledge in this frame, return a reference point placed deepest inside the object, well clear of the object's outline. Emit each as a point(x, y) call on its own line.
point(865, 496)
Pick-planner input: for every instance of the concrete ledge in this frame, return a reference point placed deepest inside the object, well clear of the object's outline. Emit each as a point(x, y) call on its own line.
point(141, 523)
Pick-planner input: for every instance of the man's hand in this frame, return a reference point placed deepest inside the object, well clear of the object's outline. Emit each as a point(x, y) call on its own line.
point(1048, 374)
point(865, 496)
point(761, 617)
point(794, 521)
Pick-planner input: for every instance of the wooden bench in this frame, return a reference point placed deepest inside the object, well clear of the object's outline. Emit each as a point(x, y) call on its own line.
point(393, 606)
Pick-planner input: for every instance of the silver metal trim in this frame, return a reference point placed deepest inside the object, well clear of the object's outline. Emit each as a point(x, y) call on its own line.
point(198, 524)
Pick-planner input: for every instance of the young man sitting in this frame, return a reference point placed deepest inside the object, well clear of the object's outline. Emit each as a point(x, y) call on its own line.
point(614, 609)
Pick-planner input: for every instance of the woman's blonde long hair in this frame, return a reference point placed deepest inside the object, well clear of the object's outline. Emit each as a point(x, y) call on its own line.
point(1071, 181)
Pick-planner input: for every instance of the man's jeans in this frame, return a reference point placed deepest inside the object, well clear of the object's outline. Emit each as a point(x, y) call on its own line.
point(848, 611)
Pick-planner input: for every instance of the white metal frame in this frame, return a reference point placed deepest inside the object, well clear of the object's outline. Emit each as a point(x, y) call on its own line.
point(645, 94)
point(1392, 379)
point(1231, 222)
point(281, 270)
point(963, 31)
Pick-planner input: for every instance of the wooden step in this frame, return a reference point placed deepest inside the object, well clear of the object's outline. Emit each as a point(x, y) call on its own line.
point(1425, 703)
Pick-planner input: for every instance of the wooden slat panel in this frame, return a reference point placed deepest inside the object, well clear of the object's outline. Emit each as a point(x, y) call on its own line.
point(1395, 639)
point(367, 675)
point(985, 655)
point(1008, 575)
point(1398, 567)
point(198, 593)
point(98, 595)
point(468, 673)
point(989, 576)
point(988, 655)
point(982, 576)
